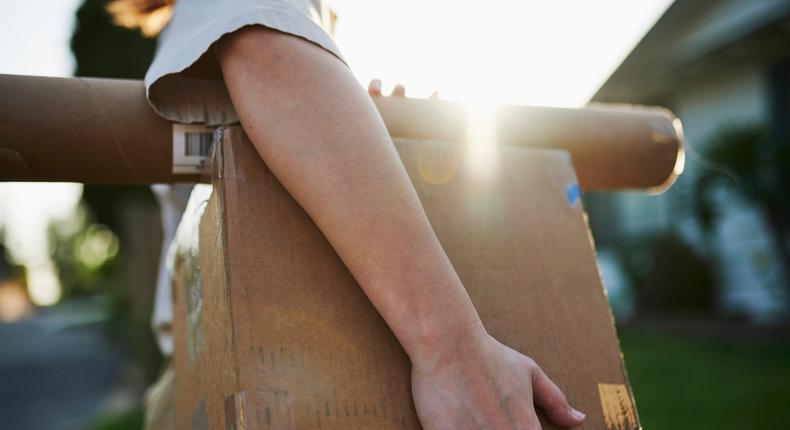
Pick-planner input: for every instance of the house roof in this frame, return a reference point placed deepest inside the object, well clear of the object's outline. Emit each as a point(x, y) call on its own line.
point(695, 38)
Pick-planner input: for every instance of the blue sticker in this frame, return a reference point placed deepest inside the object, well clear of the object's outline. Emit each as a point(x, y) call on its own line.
point(572, 193)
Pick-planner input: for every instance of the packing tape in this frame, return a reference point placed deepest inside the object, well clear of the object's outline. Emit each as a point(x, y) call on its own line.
point(618, 409)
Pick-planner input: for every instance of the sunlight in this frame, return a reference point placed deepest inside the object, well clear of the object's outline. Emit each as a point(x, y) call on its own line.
point(26, 212)
point(680, 164)
point(481, 139)
point(525, 52)
point(43, 284)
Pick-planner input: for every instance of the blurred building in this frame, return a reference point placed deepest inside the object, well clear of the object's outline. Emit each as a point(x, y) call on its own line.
point(715, 63)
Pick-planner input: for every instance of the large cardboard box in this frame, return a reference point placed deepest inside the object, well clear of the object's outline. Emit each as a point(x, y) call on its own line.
point(273, 332)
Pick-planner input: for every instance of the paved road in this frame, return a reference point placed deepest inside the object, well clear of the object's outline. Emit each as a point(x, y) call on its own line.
point(54, 374)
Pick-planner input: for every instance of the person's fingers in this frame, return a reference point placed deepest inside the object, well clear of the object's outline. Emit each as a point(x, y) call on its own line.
point(434, 95)
point(374, 88)
point(553, 402)
point(399, 91)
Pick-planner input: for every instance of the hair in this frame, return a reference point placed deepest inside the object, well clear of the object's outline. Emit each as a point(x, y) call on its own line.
point(150, 16)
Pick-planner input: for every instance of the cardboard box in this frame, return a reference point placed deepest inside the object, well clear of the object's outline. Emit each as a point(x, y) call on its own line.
point(273, 332)
point(103, 131)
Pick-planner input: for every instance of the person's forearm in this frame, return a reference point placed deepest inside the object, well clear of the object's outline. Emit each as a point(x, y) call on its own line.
point(321, 135)
point(407, 276)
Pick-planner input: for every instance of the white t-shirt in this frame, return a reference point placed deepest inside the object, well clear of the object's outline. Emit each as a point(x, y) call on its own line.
point(172, 203)
point(181, 90)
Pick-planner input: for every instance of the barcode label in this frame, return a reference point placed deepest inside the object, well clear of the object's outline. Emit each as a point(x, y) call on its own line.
point(198, 144)
point(191, 147)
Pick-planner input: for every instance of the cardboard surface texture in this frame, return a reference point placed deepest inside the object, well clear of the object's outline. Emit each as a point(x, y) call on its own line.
point(272, 331)
point(104, 131)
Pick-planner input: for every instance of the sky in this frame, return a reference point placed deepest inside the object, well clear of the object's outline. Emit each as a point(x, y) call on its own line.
point(34, 40)
point(551, 52)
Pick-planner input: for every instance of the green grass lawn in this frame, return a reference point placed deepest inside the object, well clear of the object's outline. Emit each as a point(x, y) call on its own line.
point(688, 383)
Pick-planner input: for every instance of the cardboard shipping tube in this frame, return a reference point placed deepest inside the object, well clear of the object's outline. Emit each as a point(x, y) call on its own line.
point(104, 131)
point(612, 146)
point(82, 130)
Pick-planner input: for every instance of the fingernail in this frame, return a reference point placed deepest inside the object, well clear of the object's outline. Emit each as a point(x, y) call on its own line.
point(577, 414)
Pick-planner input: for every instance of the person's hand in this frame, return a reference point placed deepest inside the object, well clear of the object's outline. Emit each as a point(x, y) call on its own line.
point(479, 383)
point(374, 89)
point(483, 384)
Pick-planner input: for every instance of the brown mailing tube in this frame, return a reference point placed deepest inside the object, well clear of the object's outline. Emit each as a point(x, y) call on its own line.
point(104, 131)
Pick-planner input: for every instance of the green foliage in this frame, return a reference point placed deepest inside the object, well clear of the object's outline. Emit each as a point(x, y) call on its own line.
point(668, 274)
point(102, 49)
point(133, 419)
point(745, 160)
point(85, 254)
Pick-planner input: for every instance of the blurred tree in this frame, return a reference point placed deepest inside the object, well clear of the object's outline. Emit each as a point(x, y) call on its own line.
point(85, 254)
point(14, 299)
point(667, 274)
point(102, 49)
point(6, 268)
point(754, 166)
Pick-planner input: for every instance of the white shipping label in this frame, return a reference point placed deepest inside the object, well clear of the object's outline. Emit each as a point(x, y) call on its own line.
point(191, 146)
